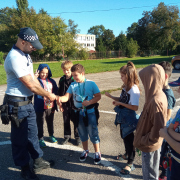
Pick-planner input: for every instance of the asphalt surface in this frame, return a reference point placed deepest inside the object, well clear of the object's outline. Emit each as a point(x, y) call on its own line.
point(67, 165)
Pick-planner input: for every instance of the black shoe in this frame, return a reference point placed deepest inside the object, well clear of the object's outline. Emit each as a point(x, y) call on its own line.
point(65, 141)
point(27, 174)
point(40, 164)
point(78, 141)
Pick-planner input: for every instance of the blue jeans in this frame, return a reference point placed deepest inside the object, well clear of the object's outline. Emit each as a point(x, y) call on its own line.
point(91, 129)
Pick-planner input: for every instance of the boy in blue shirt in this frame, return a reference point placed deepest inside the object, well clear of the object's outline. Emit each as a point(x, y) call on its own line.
point(85, 96)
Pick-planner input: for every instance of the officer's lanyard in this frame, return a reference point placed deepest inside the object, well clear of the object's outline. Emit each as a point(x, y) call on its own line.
point(83, 90)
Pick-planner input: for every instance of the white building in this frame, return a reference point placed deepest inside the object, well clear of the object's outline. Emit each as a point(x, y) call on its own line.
point(86, 41)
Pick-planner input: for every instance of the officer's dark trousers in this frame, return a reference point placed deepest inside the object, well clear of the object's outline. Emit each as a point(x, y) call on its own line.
point(24, 139)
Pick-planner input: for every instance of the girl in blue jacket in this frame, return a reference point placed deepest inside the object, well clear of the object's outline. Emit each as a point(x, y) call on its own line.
point(43, 107)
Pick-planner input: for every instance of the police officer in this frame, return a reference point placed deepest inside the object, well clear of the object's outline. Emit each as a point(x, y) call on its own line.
point(21, 84)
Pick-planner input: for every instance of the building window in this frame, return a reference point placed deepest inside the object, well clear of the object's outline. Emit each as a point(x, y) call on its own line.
point(84, 37)
point(80, 38)
point(88, 38)
point(92, 45)
point(88, 44)
point(85, 45)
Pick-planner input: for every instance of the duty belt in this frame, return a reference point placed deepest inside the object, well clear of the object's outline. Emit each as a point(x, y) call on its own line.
point(23, 100)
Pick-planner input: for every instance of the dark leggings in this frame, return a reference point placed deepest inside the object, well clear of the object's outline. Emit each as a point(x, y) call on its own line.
point(47, 115)
point(129, 148)
point(69, 115)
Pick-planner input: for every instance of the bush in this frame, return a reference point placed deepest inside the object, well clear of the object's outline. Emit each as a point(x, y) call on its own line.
point(83, 54)
point(1, 58)
point(132, 48)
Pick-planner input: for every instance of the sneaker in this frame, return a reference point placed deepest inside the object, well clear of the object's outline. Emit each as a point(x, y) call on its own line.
point(42, 143)
point(97, 158)
point(65, 141)
point(27, 174)
point(40, 164)
point(78, 141)
point(53, 139)
point(84, 155)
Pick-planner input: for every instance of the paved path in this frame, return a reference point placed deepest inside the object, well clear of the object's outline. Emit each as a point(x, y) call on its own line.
point(67, 164)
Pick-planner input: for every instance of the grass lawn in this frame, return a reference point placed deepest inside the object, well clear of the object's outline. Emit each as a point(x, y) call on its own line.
point(95, 66)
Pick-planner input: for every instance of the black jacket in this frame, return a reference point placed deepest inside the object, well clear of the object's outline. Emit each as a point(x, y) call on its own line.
point(63, 87)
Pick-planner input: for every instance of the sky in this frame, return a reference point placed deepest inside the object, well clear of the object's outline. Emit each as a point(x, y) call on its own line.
point(116, 15)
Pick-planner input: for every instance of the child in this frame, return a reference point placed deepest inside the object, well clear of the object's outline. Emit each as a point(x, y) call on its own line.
point(126, 105)
point(85, 95)
point(172, 136)
point(152, 119)
point(171, 103)
point(43, 107)
point(67, 108)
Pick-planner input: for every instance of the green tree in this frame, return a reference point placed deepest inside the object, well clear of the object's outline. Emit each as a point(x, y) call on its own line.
point(108, 39)
point(120, 43)
point(73, 28)
point(157, 29)
point(22, 5)
point(42, 11)
point(6, 15)
point(52, 33)
point(131, 31)
point(132, 48)
point(97, 30)
point(83, 54)
point(100, 46)
point(164, 22)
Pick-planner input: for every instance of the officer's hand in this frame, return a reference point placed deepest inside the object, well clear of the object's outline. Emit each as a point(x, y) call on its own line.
point(52, 97)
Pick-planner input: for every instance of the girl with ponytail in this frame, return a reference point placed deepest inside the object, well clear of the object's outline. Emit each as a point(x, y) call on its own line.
point(125, 107)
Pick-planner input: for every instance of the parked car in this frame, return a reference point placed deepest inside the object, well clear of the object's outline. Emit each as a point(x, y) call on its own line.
point(176, 62)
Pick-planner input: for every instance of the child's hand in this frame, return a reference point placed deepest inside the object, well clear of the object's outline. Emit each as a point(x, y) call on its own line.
point(58, 100)
point(115, 103)
point(107, 94)
point(85, 103)
point(36, 73)
point(61, 109)
point(163, 132)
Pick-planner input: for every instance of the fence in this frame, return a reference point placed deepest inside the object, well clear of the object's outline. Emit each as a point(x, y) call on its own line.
point(120, 54)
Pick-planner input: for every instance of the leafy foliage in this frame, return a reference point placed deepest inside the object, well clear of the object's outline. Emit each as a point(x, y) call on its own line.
point(120, 43)
point(1, 58)
point(157, 29)
point(132, 48)
point(83, 54)
point(53, 33)
point(22, 5)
